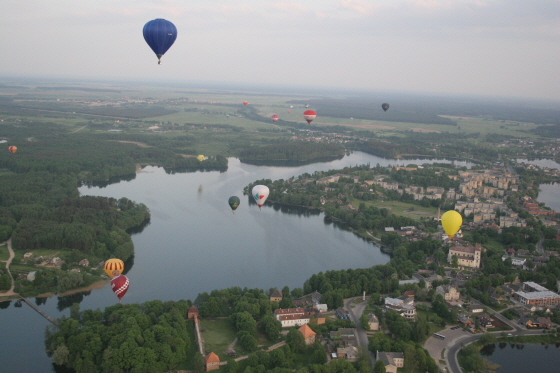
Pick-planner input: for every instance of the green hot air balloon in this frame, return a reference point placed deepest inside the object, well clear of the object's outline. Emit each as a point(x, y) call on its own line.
point(234, 203)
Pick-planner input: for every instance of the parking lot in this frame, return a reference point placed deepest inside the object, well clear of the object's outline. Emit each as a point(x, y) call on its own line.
point(436, 345)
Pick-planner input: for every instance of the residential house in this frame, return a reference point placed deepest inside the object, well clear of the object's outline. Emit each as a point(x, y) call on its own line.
point(212, 362)
point(342, 314)
point(275, 296)
point(448, 292)
point(349, 353)
point(544, 322)
point(344, 337)
point(308, 334)
point(392, 360)
point(289, 317)
point(485, 320)
point(405, 307)
point(373, 322)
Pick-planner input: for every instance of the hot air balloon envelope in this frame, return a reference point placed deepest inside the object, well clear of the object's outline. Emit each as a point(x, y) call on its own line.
point(12, 149)
point(451, 222)
point(275, 118)
point(260, 194)
point(309, 115)
point(200, 157)
point(120, 286)
point(245, 103)
point(234, 202)
point(385, 107)
point(113, 267)
point(160, 34)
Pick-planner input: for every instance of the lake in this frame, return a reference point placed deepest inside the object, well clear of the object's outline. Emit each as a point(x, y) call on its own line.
point(194, 243)
point(522, 358)
point(549, 194)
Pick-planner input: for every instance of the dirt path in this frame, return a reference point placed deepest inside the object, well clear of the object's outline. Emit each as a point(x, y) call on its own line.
point(10, 292)
point(231, 345)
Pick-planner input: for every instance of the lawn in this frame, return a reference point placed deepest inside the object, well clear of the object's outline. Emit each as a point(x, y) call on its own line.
point(218, 334)
point(408, 210)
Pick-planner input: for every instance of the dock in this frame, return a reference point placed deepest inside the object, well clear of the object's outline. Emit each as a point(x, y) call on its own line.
point(39, 311)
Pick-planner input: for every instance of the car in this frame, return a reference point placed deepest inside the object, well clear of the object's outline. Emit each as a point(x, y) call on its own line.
point(509, 334)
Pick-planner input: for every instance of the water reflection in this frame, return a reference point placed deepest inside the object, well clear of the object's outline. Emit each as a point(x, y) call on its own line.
point(286, 163)
point(106, 183)
point(68, 300)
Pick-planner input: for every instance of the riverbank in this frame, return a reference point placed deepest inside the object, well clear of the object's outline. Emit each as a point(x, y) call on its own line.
point(95, 285)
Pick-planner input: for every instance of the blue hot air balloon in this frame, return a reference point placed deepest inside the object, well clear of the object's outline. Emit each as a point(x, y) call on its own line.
point(160, 34)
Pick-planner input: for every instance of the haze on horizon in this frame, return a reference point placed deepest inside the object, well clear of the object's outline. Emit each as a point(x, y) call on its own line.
point(473, 47)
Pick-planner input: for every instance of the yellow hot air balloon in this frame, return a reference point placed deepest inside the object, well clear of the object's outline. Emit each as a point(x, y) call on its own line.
point(200, 157)
point(113, 267)
point(451, 222)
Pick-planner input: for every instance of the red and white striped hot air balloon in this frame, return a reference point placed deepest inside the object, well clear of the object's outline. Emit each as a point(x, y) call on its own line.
point(309, 115)
point(275, 118)
point(120, 286)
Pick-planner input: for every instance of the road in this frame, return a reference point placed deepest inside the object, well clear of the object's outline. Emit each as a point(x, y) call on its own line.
point(540, 247)
point(355, 314)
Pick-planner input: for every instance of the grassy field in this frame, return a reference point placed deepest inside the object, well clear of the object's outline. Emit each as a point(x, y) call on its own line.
point(220, 333)
point(408, 210)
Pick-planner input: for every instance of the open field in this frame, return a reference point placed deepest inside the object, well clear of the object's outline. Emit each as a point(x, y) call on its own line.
point(218, 334)
point(408, 210)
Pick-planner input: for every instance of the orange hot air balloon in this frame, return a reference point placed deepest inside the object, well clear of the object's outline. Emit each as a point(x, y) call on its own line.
point(309, 115)
point(245, 103)
point(275, 118)
point(12, 149)
point(113, 267)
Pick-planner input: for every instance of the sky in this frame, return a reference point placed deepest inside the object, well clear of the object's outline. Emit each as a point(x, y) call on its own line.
point(475, 47)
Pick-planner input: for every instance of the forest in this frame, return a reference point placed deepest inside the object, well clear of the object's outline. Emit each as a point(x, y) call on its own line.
point(295, 151)
point(40, 207)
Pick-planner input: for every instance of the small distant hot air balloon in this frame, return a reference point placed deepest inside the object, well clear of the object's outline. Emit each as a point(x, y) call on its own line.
point(289, 111)
point(113, 267)
point(12, 149)
point(451, 222)
point(260, 194)
point(309, 115)
point(306, 105)
point(234, 202)
point(200, 157)
point(245, 103)
point(275, 118)
point(120, 285)
point(385, 107)
point(160, 34)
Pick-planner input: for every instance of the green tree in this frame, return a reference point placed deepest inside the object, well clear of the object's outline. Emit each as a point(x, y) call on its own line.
point(379, 367)
point(295, 340)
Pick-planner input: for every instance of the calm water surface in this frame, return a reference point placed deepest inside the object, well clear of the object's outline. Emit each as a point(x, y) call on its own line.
point(195, 244)
point(523, 358)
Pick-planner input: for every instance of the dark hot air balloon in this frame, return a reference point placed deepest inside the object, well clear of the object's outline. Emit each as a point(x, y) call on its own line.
point(385, 107)
point(275, 118)
point(234, 202)
point(12, 149)
point(120, 285)
point(309, 115)
point(160, 34)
